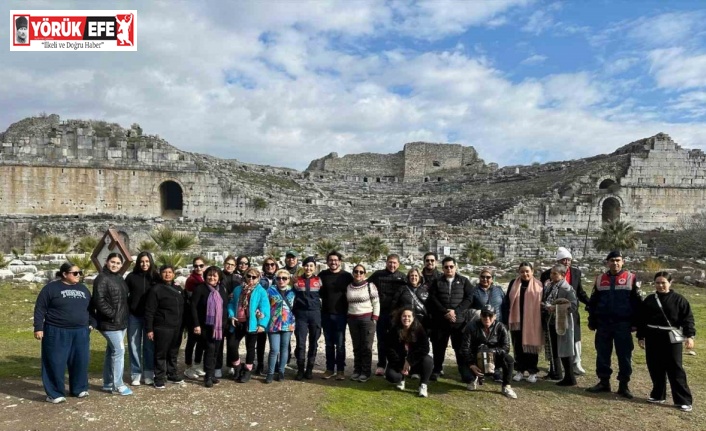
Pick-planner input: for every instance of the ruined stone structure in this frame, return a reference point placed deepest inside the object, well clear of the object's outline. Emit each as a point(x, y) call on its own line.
point(419, 161)
point(428, 196)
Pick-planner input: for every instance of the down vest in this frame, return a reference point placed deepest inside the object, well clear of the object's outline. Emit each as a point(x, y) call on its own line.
point(110, 294)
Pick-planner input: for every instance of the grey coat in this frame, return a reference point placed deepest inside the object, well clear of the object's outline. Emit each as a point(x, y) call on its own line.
point(552, 292)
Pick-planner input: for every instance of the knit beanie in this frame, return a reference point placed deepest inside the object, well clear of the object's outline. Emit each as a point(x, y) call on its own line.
point(563, 253)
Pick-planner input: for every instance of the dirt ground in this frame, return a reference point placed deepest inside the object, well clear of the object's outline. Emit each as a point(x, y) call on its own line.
point(228, 405)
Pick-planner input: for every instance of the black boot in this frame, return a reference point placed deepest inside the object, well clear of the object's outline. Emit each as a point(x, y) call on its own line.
point(259, 369)
point(569, 378)
point(602, 386)
point(245, 376)
point(624, 390)
point(309, 374)
point(237, 370)
point(300, 371)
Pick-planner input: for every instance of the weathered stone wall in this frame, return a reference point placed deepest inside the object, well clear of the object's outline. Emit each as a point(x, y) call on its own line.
point(423, 159)
point(369, 166)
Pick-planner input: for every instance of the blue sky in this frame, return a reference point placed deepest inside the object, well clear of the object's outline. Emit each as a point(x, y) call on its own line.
point(284, 82)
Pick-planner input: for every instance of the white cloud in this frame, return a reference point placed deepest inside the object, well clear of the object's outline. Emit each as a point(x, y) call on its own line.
point(533, 60)
point(675, 68)
point(692, 104)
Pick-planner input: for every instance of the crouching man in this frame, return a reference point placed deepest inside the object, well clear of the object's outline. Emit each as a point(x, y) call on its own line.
point(485, 346)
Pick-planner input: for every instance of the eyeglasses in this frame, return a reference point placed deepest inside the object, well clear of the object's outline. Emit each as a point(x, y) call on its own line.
point(448, 267)
point(486, 316)
point(358, 272)
point(281, 278)
point(269, 264)
point(243, 263)
point(251, 277)
point(75, 273)
point(199, 266)
point(485, 277)
point(430, 260)
point(230, 264)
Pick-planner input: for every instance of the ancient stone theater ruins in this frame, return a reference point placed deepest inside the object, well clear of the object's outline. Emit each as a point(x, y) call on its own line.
point(78, 177)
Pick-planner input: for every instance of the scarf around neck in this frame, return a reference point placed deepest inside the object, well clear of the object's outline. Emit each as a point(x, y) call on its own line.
point(214, 312)
point(531, 326)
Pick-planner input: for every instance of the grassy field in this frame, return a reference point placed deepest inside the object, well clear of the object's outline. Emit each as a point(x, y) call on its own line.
point(377, 405)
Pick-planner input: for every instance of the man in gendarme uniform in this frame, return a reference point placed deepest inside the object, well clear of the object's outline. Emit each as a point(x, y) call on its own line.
point(612, 312)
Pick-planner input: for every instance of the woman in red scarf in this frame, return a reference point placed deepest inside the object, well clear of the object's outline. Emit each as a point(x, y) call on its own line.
point(524, 318)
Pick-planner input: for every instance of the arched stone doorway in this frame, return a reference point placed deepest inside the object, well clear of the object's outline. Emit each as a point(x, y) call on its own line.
point(172, 199)
point(610, 210)
point(605, 184)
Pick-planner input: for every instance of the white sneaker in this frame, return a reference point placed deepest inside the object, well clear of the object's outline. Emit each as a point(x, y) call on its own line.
point(656, 401)
point(136, 381)
point(472, 385)
point(532, 378)
point(59, 400)
point(83, 394)
point(518, 376)
point(685, 408)
point(508, 392)
point(400, 385)
point(231, 371)
point(191, 373)
point(422, 390)
point(200, 371)
point(218, 374)
point(355, 376)
point(415, 376)
point(149, 381)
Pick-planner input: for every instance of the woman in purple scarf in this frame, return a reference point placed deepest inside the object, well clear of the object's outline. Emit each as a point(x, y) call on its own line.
point(209, 313)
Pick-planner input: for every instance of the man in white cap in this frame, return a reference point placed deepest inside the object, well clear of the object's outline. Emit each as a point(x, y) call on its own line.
point(573, 277)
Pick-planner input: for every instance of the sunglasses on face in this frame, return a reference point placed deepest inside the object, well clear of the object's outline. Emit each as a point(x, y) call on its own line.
point(358, 272)
point(485, 277)
point(281, 278)
point(251, 277)
point(199, 266)
point(75, 273)
point(429, 260)
point(448, 267)
point(269, 264)
point(486, 316)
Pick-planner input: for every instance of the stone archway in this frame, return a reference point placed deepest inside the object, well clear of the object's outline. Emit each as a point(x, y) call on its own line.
point(605, 184)
point(610, 210)
point(172, 199)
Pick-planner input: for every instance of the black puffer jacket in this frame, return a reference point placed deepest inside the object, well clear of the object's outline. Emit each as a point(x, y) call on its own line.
point(110, 294)
point(474, 336)
point(456, 296)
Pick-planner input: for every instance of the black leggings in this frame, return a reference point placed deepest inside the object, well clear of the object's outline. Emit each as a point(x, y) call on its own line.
point(193, 342)
point(423, 368)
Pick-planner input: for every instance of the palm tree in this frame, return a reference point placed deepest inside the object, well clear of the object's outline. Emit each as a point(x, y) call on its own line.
point(372, 247)
point(616, 235)
point(49, 244)
point(86, 244)
point(476, 254)
point(84, 262)
point(324, 246)
point(169, 246)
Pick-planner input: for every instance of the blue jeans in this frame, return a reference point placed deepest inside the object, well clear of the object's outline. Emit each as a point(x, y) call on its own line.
point(140, 347)
point(114, 359)
point(334, 326)
point(279, 346)
point(63, 347)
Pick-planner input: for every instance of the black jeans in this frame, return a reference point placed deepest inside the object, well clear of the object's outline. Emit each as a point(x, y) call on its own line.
point(423, 368)
point(193, 352)
point(523, 361)
point(210, 347)
point(383, 325)
point(166, 349)
point(440, 341)
point(362, 335)
point(234, 343)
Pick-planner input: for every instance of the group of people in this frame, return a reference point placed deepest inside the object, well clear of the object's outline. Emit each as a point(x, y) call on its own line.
point(219, 308)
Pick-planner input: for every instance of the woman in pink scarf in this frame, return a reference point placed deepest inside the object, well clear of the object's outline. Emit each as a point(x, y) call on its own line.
point(208, 311)
point(524, 318)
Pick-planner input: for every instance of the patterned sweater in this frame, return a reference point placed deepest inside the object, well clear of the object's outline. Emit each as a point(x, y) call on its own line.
point(281, 316)
point(363, 301)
